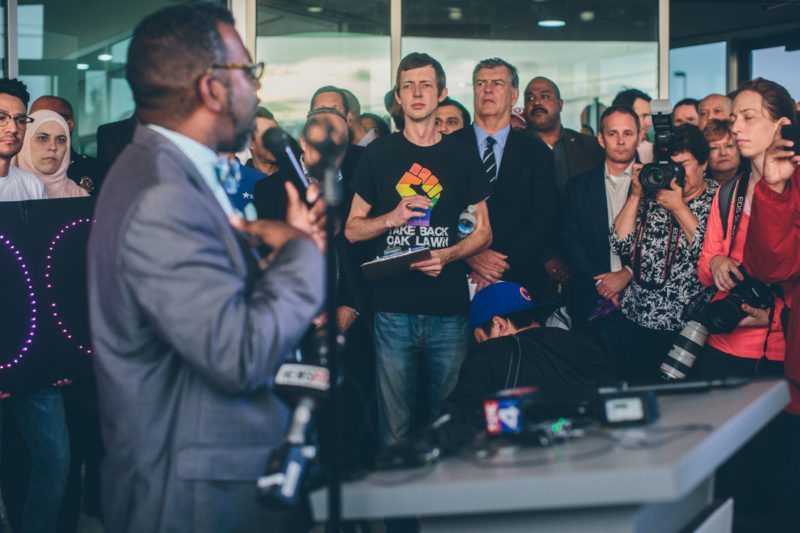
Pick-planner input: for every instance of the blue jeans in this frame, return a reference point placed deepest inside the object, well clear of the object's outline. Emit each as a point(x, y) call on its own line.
point(40, 416)
point(400, 341)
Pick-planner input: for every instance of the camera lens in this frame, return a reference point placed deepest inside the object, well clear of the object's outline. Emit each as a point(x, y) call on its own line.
point(684, 352)
point(724, 315)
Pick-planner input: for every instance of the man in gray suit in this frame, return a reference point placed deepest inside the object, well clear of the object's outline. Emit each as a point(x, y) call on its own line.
point(188, 329)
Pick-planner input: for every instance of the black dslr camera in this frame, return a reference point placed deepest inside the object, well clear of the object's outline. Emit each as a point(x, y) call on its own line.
point(721, 316)
point(659, 174)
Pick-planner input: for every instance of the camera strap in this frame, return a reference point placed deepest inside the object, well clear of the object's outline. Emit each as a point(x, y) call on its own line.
point(732, 195)
point(673, 243)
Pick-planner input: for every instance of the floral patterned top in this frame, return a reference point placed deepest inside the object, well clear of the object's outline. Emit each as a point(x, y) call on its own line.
point(664, 263)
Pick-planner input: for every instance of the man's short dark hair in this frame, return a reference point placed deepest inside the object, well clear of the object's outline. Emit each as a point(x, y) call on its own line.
point(263, 112)
point(170, 50)
point(629, 96)
point(14, 87)
point(419, 60)
point(689, 101)
point(551, 82)
point(496, 62)
point(455, 103)
point(330, 89)
point(522, 319)
point(625, 110)
point(689, 138)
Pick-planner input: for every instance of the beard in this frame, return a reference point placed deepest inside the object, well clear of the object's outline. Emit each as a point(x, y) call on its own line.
point(543, 121)
point(242, 126)
point(7, 152)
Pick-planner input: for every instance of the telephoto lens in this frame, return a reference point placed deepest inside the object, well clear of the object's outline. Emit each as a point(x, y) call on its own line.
point(684, 352)
point(688, 343)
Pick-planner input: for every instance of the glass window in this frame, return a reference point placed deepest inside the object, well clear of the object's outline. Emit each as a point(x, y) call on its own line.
point(590, 49)
point(696, 71)
point(773, 64)
point(310, 44)
point(77, 50)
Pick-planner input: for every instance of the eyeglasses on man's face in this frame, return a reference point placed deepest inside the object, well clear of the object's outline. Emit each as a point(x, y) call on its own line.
point(22, 121)
point(253, 70)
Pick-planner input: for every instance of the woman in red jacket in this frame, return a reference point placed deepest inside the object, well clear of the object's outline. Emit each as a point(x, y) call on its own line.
point(772, 253)
point(757, 345)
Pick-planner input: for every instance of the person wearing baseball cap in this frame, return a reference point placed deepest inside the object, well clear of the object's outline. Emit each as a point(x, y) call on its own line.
point(514, 349)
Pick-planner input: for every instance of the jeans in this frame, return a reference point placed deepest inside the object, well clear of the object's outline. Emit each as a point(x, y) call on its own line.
point(400, 341)
point(40, 416)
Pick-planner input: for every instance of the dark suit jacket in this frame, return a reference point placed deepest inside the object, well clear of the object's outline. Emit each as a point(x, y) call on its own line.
point(86, 171)
point(112, 138)
point(522, 208)
point(188, 333)
point(584, 236)
point(271, 203)
point(583, 153)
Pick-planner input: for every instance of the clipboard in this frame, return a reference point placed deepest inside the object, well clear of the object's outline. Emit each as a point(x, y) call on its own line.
point(384, 267)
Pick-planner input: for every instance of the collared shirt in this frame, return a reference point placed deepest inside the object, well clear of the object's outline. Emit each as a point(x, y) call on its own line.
point(368, 137)
point(499, 136)
point(204, 159)
point(616, 195)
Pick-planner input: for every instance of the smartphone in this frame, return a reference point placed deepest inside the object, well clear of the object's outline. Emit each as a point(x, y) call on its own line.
point(792, 133)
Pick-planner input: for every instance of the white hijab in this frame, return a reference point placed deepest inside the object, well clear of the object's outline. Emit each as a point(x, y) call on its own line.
point(57, 184)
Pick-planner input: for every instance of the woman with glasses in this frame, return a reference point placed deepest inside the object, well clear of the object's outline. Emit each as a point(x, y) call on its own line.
point(45, 154)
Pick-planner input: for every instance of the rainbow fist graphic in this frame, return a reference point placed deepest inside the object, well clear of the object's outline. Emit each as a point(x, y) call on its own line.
point(419, 180)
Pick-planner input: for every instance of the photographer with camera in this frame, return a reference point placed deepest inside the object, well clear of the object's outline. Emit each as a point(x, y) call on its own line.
point(755, 344)
point(764, 118)
point(661, 229)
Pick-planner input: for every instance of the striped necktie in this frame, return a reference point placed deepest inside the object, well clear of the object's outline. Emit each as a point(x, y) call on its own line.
point(489, 161)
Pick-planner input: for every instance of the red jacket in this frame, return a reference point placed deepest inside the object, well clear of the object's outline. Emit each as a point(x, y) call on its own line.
point(741, 342)
point(772, 254)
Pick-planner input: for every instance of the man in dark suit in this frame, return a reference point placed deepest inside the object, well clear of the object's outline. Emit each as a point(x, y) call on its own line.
point(593, 200)
point(187, 327)
point(113, 137)
point(84, 170)
point(522, 207)
point(573, 153)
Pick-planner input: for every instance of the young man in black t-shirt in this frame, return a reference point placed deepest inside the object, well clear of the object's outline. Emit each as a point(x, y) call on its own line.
point(410, 189)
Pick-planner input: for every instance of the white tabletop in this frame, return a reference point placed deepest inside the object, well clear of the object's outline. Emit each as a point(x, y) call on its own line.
point(611, 475)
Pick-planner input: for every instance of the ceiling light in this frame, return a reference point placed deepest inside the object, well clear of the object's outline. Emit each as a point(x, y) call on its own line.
point(455, 13)
point(552, 23)
point(314, 9)
point(82, 66)
point(587, 16)
point(105, 57)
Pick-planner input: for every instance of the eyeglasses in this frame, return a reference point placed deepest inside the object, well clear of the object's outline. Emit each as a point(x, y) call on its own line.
point(254, 70)
point(21, 120)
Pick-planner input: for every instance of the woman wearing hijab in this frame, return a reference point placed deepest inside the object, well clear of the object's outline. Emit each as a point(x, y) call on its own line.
point(45, 154)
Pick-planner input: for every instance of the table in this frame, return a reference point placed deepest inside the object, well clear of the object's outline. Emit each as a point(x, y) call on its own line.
point(664, 488)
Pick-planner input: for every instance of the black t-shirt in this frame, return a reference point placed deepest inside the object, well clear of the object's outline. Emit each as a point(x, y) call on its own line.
point(451, 175)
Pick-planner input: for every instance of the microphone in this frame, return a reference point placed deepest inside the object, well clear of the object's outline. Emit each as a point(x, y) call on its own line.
point(288, 465)
point(277, 141)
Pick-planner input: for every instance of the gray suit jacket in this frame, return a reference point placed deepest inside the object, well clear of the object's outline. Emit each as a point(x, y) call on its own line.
point(187, 335)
